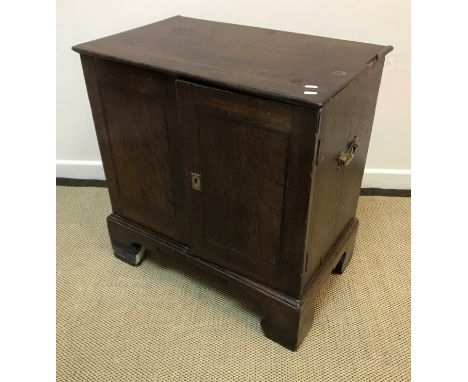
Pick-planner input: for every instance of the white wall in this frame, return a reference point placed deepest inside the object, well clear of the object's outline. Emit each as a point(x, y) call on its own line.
point(375, 21)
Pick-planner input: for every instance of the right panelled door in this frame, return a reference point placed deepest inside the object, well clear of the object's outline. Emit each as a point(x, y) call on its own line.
point(242, 167)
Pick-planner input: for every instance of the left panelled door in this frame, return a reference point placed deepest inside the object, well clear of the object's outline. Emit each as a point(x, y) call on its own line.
point(136, 125)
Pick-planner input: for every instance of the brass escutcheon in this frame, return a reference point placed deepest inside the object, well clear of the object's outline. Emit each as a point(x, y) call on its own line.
point(196, 181)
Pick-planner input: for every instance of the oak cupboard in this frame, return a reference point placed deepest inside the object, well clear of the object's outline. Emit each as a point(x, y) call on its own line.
point(240, 149)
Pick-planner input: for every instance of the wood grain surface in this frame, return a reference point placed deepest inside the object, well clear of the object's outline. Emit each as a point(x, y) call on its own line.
point(254, 60)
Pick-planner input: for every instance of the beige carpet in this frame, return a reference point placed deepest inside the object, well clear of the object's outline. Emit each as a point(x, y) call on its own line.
point(163, 321)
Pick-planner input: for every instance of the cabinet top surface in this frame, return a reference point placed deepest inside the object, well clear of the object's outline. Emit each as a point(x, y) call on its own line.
point(274, 64)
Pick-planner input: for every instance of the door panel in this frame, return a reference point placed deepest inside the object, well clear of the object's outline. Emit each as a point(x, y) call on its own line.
point(137, 131)
point(254, 175)
point(136, 125)
point(243, 174)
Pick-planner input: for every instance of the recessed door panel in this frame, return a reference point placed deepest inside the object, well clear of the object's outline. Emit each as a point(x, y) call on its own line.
point(243, 170)
point(137, 129)
point(136, 124)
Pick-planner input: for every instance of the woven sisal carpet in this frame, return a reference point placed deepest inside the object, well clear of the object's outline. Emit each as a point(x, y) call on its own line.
point(163, 321)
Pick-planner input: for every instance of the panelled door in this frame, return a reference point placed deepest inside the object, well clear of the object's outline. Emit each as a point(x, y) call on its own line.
point(245, 166)
point(136, 124)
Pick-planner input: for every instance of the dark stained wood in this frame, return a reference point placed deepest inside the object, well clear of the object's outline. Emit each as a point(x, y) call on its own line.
point(139, 135)
point(73, 182)
point(360, 125)
point(135, 121)
point(336, 191)
point(254, 60)
point(254, 178)
point(275, 213)
point(243, 174)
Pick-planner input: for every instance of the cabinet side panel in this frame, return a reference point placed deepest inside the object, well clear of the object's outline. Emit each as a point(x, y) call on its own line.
point(99, 123)
point(366, 94)
point(335, 191)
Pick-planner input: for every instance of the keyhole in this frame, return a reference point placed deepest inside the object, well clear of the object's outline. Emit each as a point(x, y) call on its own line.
point(196, 185)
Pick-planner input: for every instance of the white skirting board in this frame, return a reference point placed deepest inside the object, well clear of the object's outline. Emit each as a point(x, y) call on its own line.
point(399, 179)
point(387, 178)
point(79, 169)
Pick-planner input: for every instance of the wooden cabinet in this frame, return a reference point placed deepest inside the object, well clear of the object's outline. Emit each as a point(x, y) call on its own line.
point(238, 148)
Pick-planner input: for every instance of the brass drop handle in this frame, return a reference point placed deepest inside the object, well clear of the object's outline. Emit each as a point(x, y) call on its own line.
point(346, 156)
